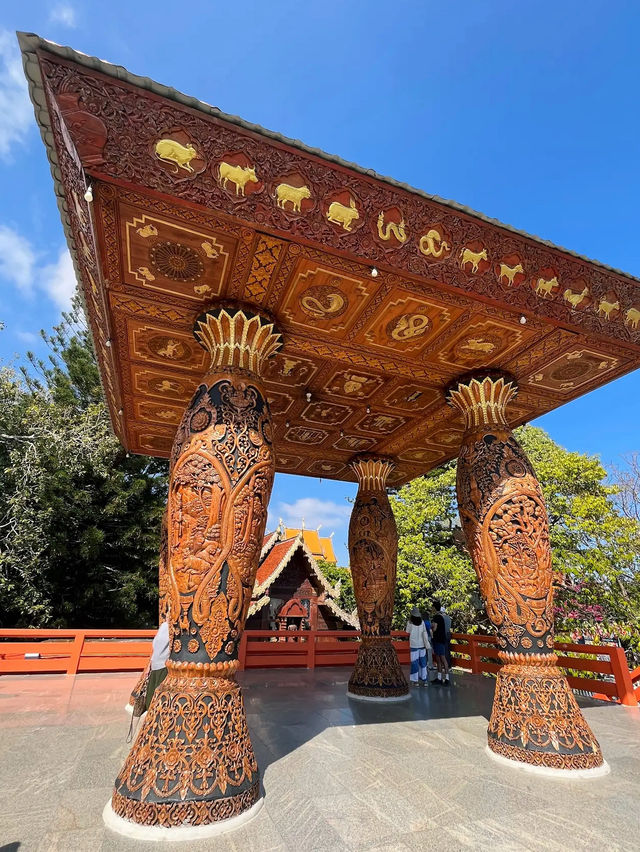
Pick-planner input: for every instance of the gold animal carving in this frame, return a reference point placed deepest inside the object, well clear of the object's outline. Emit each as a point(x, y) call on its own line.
point(432, 244)
point(177, 155)
point(171, 349)
point(240, 176)
point(335, 301)
point(167, 414)
point(341, 215)
point(386, 229)
point(295, 195)
point(202, 290)
point(147, 231)
point(209, 250)
point(510, 272)
point(472, 257)
point(477, 344)
point(545, 287)
point(575, 299)
point(166, 385)
point(632, 317)
point(606, 308)
point(145, 272)
point(410, 325)
point(354, 384)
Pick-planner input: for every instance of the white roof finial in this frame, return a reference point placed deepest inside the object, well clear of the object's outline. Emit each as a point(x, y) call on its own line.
point(302, 527)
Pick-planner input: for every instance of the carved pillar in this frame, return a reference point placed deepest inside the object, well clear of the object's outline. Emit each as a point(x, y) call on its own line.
point(164, 586)
point(193, 763)
point(535, 718)
point(373, 552)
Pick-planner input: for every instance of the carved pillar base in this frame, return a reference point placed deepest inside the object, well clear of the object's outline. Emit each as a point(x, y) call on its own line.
point(536, 720)
point(373, 550)
point(197, 765)
point(377, 673)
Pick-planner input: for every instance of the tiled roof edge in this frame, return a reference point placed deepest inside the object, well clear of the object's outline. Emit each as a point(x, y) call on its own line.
point(30, 42)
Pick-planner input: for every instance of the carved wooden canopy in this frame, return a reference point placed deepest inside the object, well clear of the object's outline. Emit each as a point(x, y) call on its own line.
point(383, 294)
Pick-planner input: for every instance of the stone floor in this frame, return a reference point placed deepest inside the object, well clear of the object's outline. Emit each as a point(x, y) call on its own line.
point(338, 774)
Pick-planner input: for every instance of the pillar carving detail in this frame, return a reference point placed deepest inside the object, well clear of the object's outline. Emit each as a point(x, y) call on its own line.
point(192, 762)
point(535, 717)
point(373, 551)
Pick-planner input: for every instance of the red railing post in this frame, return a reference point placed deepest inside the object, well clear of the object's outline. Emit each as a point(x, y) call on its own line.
point(242, 651)
point(473, 653)
point(312, 638)
point(76, 653)
point(624, 684)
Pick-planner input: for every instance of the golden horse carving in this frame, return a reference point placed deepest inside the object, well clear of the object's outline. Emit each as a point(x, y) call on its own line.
point(575, 299)
point(386, 229)
point(172, 152)
point(510, 272)
point(472, 257)
point(433, 245)
point(632, 318)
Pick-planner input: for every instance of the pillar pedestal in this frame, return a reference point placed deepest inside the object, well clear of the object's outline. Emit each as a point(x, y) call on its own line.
point(535, 720)
point(192, 764)
point(373, 551)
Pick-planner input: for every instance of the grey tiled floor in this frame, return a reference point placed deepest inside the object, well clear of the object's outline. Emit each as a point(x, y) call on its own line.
point(338, 774)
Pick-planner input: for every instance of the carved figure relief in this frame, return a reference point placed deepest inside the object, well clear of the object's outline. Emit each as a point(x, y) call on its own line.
point(433, 245)
point(509, 275)
point(239, 176)
point(323, 301)
point(178, 156)
point(193, 758)
point(546, 287)
point(632, 318)
point(343, 215)
point(294, 195)
point(575, 299)
point(373, 545)
point(607, 308)
point(473, 259)
point(147, 231)
point(389, 229)
point(408, 326)
point(535, 718)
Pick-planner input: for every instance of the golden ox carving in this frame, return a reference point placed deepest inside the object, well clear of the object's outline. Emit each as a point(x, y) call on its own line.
point(239, 176)
point(294, 195)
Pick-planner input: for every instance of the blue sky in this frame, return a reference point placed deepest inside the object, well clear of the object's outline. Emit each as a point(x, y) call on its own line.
point(525, 111)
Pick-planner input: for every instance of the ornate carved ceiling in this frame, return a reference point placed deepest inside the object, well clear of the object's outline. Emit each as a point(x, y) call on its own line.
point(190, 207)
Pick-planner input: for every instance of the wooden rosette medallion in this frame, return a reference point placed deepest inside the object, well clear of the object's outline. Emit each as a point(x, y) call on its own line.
point(193, 763)
point(535, 718)
point(373, 549)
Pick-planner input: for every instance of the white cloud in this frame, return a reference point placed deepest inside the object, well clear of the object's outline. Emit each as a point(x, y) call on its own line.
point(16, 112)
point(63, 13)
point(315, 512)
point(58, 280)
point(17, 259)
point(26, 336)
point(20, 266)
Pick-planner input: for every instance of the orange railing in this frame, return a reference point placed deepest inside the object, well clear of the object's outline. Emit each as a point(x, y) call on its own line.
point(73, 651)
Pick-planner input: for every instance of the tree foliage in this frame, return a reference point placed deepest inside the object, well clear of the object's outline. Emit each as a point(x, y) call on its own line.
point(595, 544)
point(79, 517)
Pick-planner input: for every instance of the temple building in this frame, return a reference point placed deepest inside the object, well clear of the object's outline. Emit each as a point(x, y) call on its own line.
point(290, 588)
point(257, 306)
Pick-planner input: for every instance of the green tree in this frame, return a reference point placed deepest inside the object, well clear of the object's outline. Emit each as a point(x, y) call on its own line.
point(80, 517)
point(596, 547)
point(337, 574)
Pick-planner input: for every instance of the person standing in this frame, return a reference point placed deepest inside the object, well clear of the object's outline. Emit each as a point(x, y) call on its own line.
point(439, 625)
point(427, 626)
point(418, 646)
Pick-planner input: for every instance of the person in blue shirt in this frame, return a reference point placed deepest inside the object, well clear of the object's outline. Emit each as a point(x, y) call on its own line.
point(427, 627)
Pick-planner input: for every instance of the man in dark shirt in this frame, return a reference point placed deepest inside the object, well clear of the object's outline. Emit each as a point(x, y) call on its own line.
point(441, 626)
